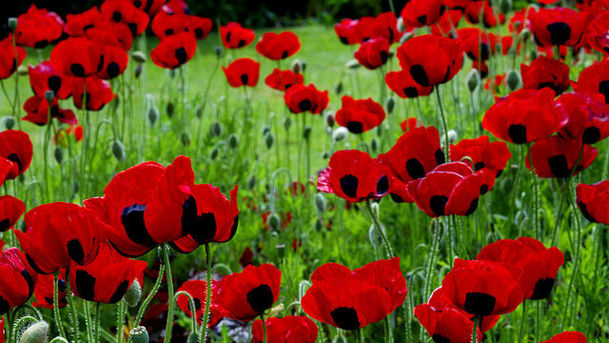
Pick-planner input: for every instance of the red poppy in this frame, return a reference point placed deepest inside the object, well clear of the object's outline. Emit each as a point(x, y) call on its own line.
point(78, 24)
point(524, 116)
point(107, 278)
point(242, 72)
point(568, 337)
point(457, 4)
point(36, 28)
point(16, 147)
point(8, 63)
point(248, 294)
point(235, 36)
point(175, 50)
point(152, 7)
point(45, 289)
point(289, 329)
point(545, 72)
point(558, 26)
point(556, 156)
point(98, 94)
point(521, 20)
point(246, 257)
point(359, 115)
point(593, 201)
point(596, 34)
point(382, 26)
point(165, 24)
point(11, 209)
point(283, 79)
point(373, 53)
point(199, 26)
point(490, 17)
point(346, 31)
point(208, 216)
point(301, 98)
point(595, 79)
point(57, 234)
point(402, 84)
point(477, 44)
point(451, 188)
point(37, 109)
point(197, 289)
point(353, 175)
point(120, 11)
point(16, 280)
point(278, 46)
point(588, 117)
point(417, 13)
point(482, 288)
point(176, 7)
point(78, 57)
point(431, 60)
point(44, 77)
point(115, 61)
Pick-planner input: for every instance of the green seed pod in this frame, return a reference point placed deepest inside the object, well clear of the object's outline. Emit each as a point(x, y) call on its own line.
point(505, 6)
point(374, 144)
point(134, 294)
point(139, 56)
point(287, 123)
point(452, 136)
point(306, 132)
point(340, 134)
point(513, 80)
point(58, 154)
point(153, 114)
point(59, 339)
point(473, 80)
point(330, 119)
point(319, 224)
point(274, 221)
point(9, 122)
point(265, 129)
point(219, 51)
point(139, 335)
point(22, 70)
point(374, 207)
point(269, 139)
point(12, 24)
point(325, 155)
point(296, 66)
point(233, 141)
point(215, 129)
point(185, 138)
point(194, 337)
point(353, 64)
point(252, 181)
point(213, 153)
point(320, 202)
point(170, 109)
point(338, 89)
point(36, 333)
point(199, 111)
point(280, 250)
point(118, 150)
point(138, 71)
point(390, 105)
point(49, 95)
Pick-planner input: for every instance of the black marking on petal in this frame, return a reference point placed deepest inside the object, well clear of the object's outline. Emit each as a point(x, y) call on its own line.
point(5, 225)
point(85, 285)
point(440, 158)
point(345, 318)
point(77, 70)
point(419, 75)
point(559, 166)
point(305, 105)
point(260, 298)
point(348, 184)
point(591, 135)
point(560, 33)
point(382, 185)
point(54, 83)
point(517, 133)
point(181, 55)
point(415, 168)
point(542, 289)
point(120, 291)
point(75, 250)
point(472, 207)
point(479, 304)
point(132, 218)
point(437, 204)
point(244, 79)
point(355, 127)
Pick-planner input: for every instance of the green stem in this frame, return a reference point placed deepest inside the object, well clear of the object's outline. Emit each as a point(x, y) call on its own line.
point(522, 320)
point(120, 319)
point(88, 321)
point(73, 315)
point(56, 314)
point(443, 118)
point(208, 293)
point(170, 309)
point(475, 326)
point(97, 321)
point(432, 257)
point(148, 299)
point(263, 328)
point(380, 230)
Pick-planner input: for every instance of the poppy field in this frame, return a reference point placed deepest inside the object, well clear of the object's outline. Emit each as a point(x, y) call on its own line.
point(437, 172)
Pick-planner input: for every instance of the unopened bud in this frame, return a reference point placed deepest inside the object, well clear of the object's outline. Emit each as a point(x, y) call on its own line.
point(138, 71)
point(274, 221)
point(269, 139)
point(194, 337)
point(118, 150)
point(213, 153)
point(185, 138)
point(9, 122)
point(134, 294)
point(22, 70)
point(306, 132)
point(139, 335)
point(215, 129)
point(513, 80)
point(58, 155)
point(374, 144)
point(374, 207)
point(170, 109)
point(251, 181)
point(287, 123)
point(340, 134)
point(319, 224)
point(219, 52)
point(330, 119)
point(338, 89)
point(36, 333)
point(452, 136)
point(473, 79)
point(49, 95)
point(401, 26)
point(353, 64)
point(233, 141)
point(12, 24)
point(138, 56)
point(505, 6)
point(298, 66)
point(199, 111)
point(153, 115)
point(525, 34)
point(280, 250)
point(390, 105)
point(320, 202)
point(265, 129)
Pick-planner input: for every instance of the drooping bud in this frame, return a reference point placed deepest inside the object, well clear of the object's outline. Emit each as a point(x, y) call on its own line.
point(338, 89)
point(269, 139)
point(452, 136)
point(219, 51)
point(274, 221)
point(401, 26)
point(353, 64)
point(49, 95)
point(22, 70)
point(118, 150)
point(215, 129)
point(374, 144)
point(233, 141)
point(280, 250)
point(265, 129)
point(306, 132)
point(299, 66)
point(505, 6)
point(513, 80)
point(406, 37)
point(340, 134)
point(287, 123)
point(199, 111)
point(153, 114)
point(35, 333)
point(170, 109)
point(139, 56)
point(138, 71)
point(390, 105)
point(9, 122)
point(473, 79)
point(330, 119)
point(185, 138)
point(213, 153)
point(320, 202)
point(251, 181)
point(58, 154)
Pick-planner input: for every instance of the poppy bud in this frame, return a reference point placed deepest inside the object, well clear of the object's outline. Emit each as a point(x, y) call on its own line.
point(400, 24)
point(9, 122)
point(353, 64)
point(118, 150)
point(306, 132)
point(49, 95)
point(58, 154)
point(280, 250)
point(274, 221)
point(138, 71)
point(59, 340)
point(22, 70)
point(138, 56)
point(473, 79)
point(269, 139)
point(139, 335)
point(390, 105)
point(265, 129)
point(215, 129)
point(134, 294)
point(525, 34)
point(171, 73)
point(213, 153)
point(185, 138)
point(374, 144)
point(339, 88)
point(513, 80)
point(319, 224)
point(36, 333)
point(287, 123)
point(374, 207)
point(505, 6)
point(299, 66)
point(320, 202)
point(194, 337)
point(251, 181)
point(330, 119)
point(218, 50)
point(12, 24)
point(406, 37)
point(452, 136)
point(233, 141)
point(533, 54)
point(199, 111)
point(340, 133)
point(153, 114)
point(170, 109)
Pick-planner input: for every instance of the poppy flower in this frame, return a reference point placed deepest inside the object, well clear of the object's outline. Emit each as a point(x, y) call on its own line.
point(521, 19)
point(289, 329)
point(450, 188)
point(45, 289)
point(107, 278)
point(532, 265)
point(558, 26)
point(556, 156)
point(8, 63)
point(78, 24)
point(359, 115)
point(283, 79)
point(208, 216)
point(175, 50)
point(278, 46)
point(595, 79)
point(109, 33)
point(457, 4)
point(382, 26)
point(482, 288)
point(477, 44)
point(353, 175)
point(36, 28)
point(16, 280)
point(235, 36)
point(16, 147)
point(402, 84)
point(301, 98)
point(593, 201)
point(57, 234)
point(524, 116)
point(152, 7)
point(77, 56)
point(346, 31)
point(99, 93)
point(596, 33)
point(545, 72)
point(197, 289)
point(11, 209)
point(120, 11)
point(373, 53)
point(175, 7)
point(242, 72)
point(568, 337)
point(201, 27)
point(483, 9)
point(588, 119)
point(431, 60)
point(37, 109)
point(418, 13)
point(44, 77)
point(115, 61)
point(164, 25)
point(248, 294)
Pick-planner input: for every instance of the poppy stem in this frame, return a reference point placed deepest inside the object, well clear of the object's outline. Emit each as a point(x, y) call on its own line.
point(56, 314)
point(146, 302)
point(435, 242)
point(88, 321)
point(170, 292)
point(208, 292)
point(120, 319)
point(522, 320)
point(536, 198)
point(475, 326)
point(16, 96)
point(47, 137)
point(263, 327)
point(73, 315)
point(391, 6)
point(97, 321)
point(379, 229)
point(443, 118)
